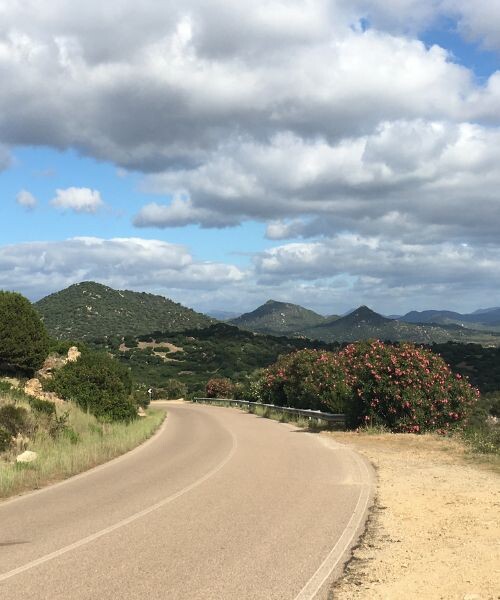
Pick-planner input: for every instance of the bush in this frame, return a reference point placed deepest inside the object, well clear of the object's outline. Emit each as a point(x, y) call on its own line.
point(174, 389)
point(14, 419)
point(5, 439)
point(404, 388)
point(42, 406)
point(24, 343)
point(401, 388)
point(306, 379)
point(253, 387)
point(219, 388)
point(141, 397)
point(98, 384)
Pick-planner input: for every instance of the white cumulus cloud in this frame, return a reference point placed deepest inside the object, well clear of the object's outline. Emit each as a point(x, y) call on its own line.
point(78, 200)
point(37, 268)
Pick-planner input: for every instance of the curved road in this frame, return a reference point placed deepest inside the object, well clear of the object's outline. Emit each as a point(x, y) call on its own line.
point(220, 504)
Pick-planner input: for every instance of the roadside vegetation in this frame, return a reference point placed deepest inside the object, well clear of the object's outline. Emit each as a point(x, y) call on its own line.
point(66, 439)
point(80, 411)
point(379, 387)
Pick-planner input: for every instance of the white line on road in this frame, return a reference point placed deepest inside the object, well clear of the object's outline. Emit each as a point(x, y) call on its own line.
point(336, 554)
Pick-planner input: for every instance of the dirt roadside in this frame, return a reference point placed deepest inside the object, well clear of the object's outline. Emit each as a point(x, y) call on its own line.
point(434, 532)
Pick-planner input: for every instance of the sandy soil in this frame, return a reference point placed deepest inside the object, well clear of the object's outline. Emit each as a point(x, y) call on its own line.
point(434, 531)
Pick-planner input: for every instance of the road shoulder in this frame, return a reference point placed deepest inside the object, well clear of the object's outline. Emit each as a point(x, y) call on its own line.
point(433, 530)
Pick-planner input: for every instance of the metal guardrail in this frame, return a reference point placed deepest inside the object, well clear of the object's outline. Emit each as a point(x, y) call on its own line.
point(312, 414)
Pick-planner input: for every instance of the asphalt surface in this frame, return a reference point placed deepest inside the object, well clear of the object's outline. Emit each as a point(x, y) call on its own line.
point(220, 504)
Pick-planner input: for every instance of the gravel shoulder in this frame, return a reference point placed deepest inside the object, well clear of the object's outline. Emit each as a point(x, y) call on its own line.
point(434, 530)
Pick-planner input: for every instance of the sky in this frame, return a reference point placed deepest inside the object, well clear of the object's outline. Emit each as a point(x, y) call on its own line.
point(329, 153)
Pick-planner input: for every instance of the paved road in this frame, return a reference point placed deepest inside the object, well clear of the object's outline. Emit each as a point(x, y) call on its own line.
point(219, 505)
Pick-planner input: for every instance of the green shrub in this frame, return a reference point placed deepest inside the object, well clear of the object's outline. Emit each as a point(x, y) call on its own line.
point(70, 434)
point(174, 388)
point(24, 343)
point(14, 419)
point(252, 388)
point(141, 397)
point(42, 406)
point(98, 384)
point(219, 388)
point(5, 386)
point(483, 440)
point(5, 439)
point(404, 388)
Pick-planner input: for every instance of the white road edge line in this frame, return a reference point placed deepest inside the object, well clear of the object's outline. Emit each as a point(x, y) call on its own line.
point(336, 554)
point(123, 522)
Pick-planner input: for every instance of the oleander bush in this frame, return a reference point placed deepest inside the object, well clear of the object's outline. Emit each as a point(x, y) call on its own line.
point(403, 388)
point(221, 387)
point(307, 379)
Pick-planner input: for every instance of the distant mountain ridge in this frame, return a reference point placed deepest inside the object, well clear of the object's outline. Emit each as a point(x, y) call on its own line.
point(364, 323)
point(279, 318)
point(482, 318)
point(89, 310)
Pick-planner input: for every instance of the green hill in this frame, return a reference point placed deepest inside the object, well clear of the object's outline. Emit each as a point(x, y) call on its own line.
point(279, 318)
point(89, 310)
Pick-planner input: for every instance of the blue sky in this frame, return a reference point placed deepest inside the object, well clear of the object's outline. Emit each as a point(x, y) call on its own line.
point(328, 153)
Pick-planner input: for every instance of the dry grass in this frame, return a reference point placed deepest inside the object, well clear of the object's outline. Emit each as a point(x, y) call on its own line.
point(86, 444)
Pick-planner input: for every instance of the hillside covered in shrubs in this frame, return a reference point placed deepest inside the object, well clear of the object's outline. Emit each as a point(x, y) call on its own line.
point(193, 356)
point(89, 310)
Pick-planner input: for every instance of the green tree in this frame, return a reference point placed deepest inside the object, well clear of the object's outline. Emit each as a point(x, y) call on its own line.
point(97, 383)
point(24, 343)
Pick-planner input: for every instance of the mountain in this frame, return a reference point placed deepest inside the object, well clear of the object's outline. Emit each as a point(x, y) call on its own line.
point(364, 323)
point(481, 319)
point(481, 311)
point(279, 318)
point(432, 316)
point(89, 310)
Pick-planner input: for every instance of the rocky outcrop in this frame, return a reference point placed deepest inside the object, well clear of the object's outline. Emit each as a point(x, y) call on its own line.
point(33, 387)
point(73, 354)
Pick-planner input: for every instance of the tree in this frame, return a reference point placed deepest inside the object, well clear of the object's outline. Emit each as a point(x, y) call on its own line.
point(24, 343)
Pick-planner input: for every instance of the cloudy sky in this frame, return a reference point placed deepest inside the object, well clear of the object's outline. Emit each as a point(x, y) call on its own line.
point(330, 153)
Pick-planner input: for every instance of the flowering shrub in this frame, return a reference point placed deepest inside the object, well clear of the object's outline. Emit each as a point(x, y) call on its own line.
point(219, 388)
point(306, 379)
point(404, 388)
